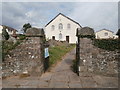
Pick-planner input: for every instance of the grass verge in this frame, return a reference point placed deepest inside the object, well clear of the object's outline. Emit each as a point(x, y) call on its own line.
point(57, 52)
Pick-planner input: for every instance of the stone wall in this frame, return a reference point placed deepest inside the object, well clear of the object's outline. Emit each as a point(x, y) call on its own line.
point(26, 58)
point(96, 60)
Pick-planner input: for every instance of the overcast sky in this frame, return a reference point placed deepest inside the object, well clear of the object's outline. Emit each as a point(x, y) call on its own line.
point(97, 15)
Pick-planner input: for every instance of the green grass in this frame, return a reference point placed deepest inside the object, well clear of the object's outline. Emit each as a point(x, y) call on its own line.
point(57, 52)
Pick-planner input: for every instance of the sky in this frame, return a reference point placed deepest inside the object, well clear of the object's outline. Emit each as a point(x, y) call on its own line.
point(97, 15)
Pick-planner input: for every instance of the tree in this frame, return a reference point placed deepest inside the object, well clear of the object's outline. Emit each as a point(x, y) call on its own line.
point(5, 34)
point(26, 26)
point(118, 33)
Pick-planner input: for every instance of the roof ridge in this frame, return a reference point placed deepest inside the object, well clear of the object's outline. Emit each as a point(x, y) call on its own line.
point(64, 16)
point(104, 29)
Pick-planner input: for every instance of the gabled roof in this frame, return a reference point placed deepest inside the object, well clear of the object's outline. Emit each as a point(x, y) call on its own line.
point(9, 28)
point(64, 16)
point(105, 30)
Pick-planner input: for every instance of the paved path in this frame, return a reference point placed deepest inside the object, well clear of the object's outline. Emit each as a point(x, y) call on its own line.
point(62, 77)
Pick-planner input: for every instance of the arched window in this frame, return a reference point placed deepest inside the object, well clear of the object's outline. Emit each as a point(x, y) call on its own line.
point(60, 36)
point(68, 26)
point(60, 26)
point(52, 27)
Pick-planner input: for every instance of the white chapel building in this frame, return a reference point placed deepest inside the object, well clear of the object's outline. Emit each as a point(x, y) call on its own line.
point(62, 28)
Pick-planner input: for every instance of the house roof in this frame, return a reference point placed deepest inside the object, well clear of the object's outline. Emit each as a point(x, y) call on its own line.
point(85, 31)
point(64, 16)
point(9, 28)
point(105, 30)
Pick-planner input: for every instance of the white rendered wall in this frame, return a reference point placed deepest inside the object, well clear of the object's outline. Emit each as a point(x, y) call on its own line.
point(1, 29)
point(101, 34)
point(65, 31)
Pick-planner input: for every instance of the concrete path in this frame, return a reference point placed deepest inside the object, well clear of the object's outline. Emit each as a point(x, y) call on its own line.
point(61, 76)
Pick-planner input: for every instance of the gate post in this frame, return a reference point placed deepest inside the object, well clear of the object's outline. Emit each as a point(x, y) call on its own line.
point(46, 56)
point(37, 37)
point(77, 54)
point(85, 32)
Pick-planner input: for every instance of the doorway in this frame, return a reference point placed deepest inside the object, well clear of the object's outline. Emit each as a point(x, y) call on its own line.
point(53, 37)
point(67, 39)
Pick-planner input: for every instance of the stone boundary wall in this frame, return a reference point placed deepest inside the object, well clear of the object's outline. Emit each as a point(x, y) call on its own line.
point(26, 58)
point(96, 60)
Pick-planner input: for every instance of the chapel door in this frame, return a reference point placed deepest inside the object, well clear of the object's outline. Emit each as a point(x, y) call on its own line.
point(67, 39)
point(53, 37)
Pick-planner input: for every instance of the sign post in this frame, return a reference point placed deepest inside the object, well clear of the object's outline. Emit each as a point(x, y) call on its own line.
point(46, 52)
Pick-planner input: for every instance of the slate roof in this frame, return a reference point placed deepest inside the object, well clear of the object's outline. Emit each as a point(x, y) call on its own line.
point(64, 16)
point(105, 30)
point(85, 31)
point(9, 28)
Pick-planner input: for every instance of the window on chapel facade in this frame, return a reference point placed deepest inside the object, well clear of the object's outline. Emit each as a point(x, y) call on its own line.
point(60, 26)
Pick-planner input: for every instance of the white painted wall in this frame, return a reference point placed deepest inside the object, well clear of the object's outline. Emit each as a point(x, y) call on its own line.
point(115, 36)
point(101, 34)
point(65, 31)
point(1, 27)
point(9, 32)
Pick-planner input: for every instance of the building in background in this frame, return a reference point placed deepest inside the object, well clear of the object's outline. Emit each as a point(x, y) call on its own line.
point(62, 28)
point(105, 34)
point(11, 31)
point(1, 32)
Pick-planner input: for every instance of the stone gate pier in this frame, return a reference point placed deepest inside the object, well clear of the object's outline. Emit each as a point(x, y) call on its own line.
point(85, 36)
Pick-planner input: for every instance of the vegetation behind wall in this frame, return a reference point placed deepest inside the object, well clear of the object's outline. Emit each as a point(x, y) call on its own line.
point(8, 46)
point(107, 44)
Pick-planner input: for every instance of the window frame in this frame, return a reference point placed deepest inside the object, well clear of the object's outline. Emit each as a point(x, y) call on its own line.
point(106, 33)
point(68, 26)
point(53, 27)
point(60, 36)
point(60, 26)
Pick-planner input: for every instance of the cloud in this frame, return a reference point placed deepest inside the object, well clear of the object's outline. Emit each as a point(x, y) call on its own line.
point(95, 15)
point(0, 12)
point(15, 14)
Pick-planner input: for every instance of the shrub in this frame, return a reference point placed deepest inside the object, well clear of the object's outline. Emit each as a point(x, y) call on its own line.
point(107, 44)
point(74, 66)
point(22, 37)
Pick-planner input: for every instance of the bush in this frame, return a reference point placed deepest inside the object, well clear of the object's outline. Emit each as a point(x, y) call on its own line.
point(74, 66)
point(22, 37)
point(107, 44)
